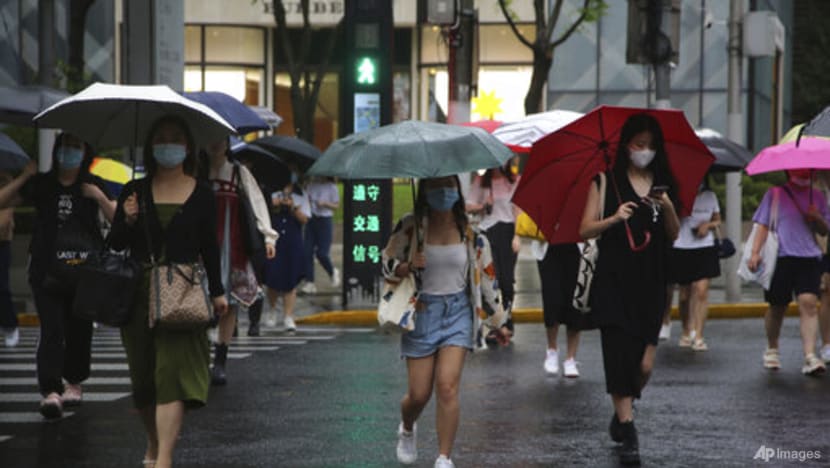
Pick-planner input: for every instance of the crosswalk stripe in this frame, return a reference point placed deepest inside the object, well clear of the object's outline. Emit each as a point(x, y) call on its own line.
point(4, 438)
point(10, 381)
point(27, 417)
point(95, 367)
point(35, 397)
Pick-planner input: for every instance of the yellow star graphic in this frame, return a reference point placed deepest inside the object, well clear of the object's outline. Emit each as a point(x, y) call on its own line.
point(487, 105)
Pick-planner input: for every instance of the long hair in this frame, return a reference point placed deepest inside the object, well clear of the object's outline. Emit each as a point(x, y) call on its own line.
point(487, 178)
point(459, 213)
point(85, 162)
point(659, 166)
point(150, 164)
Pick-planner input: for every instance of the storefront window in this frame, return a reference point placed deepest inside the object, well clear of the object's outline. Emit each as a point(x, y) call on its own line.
point(325, 115)
point(231, 44)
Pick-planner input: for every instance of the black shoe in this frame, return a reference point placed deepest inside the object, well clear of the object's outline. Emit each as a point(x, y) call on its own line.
point(614, 429)
point(630, 450)
point(253, 329)
point(254, 314)
point(220, 356)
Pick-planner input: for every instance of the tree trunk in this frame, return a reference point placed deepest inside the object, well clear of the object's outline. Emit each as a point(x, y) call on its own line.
point(542, 61)
point(77, 28)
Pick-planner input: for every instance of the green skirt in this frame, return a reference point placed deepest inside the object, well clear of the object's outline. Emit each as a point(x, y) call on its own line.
point(165, 365)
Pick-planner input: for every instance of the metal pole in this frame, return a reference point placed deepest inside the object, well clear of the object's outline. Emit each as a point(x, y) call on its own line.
point(46, 74)
point(735, 132)
point(460, 65)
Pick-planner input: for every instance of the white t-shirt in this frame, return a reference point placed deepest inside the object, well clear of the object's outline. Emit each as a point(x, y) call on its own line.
point(706, 205)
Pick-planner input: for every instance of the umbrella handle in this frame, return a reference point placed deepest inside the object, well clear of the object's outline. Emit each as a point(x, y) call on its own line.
point(633, 245)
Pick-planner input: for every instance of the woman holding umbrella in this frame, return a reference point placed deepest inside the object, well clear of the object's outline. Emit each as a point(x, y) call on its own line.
point(230, 181)
point(67, 200)
point(456, 278)
point(177, 215)
point(629, 284)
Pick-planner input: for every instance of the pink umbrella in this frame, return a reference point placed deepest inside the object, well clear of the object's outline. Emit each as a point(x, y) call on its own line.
point(811, 153)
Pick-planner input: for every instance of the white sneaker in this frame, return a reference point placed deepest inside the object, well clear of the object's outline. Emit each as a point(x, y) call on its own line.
point(407, 445)
point(289, 323)
point(825, 354)
point(570, 368)
point(308, 288)
point(444, 462)
point(335, 278)
point(270, 315)
point(552, 362)
point(813, 365)
point(665, 332)
point(13, 337)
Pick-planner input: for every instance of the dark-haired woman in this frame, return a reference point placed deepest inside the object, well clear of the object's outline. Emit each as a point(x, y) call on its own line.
point(230, 181)
point(490, 195)
point(457, 286)
point(168, 368)
point(629, 288)
point(68, 200)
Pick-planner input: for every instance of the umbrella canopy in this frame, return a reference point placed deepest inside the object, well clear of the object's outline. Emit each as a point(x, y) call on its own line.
point(729, 156)
point(818, 126)
point(19, 104)
point(240, 116)
point(291, 150)
point(107, 115)
point(561, 166)
point(12, 156)
point(270, 117)
point(810, 153)
point(267, 168)
point(115, 173)
point(412, 149)
point(520, 135)
point(488, 126)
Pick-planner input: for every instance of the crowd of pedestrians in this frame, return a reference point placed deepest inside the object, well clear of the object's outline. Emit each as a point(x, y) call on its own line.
point(462, 250)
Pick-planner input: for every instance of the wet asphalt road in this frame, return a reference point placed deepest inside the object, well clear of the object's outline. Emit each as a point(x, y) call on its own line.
point(335, 403)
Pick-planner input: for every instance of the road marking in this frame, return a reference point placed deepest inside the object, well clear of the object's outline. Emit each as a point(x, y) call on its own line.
point(35, 397)
point(9, 381)
point(96, 366)
point(4, 438)
point(33, 417)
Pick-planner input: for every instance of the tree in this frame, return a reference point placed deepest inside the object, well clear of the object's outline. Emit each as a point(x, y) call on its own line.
point(544, 44)
point(305, 87)
point(75, 76)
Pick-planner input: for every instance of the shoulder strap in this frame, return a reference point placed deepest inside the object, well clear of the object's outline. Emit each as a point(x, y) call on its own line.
point(776, 195)
point(145, 207)
point(602, 187)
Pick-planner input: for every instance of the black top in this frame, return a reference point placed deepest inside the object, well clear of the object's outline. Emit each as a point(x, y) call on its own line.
point(189, 237)
point(60, 209)
point(629, 288)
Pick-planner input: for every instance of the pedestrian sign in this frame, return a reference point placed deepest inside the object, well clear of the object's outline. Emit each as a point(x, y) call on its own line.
point(366, 71)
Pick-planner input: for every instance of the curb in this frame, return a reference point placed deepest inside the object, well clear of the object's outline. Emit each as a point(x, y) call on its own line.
point(368, 317)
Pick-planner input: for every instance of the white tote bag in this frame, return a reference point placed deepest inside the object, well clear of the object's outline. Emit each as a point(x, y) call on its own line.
point(769, 251)
point(588, 255)
point(396, 309)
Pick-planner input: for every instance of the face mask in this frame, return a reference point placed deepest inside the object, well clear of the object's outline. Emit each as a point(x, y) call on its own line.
point(169, 155)
point(442, 199)
point(642, 158)
point(800, 181)
point(69, 157)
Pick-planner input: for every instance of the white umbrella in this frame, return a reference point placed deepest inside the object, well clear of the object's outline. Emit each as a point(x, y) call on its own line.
point(521, 135)
point(107, 115)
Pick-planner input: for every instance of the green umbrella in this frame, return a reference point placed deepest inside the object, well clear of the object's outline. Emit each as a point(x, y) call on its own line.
point(411, 149)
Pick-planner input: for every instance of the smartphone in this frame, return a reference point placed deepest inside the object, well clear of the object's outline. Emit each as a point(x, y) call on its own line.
point(658, 190)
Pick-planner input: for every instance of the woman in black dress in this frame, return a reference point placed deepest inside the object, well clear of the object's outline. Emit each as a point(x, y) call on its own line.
point(629, 288)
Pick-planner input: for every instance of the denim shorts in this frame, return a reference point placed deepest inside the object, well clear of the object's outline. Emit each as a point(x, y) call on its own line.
point(440, 321)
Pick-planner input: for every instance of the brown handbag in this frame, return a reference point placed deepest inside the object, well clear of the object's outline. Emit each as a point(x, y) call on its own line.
point(179, 297)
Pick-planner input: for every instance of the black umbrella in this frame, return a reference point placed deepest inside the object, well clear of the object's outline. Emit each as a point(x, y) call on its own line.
point(12, 156)
point(819, 126)
point(729, 156)
point(291, 150)
point(267, 168)
point(19, 104)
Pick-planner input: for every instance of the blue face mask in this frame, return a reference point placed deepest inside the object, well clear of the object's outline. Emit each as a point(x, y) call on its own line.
point(69, 157)
point(169, 155)
point(442, 199)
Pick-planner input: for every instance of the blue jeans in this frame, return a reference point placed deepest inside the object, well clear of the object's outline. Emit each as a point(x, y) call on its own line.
point(440, 321)
point(318, 234)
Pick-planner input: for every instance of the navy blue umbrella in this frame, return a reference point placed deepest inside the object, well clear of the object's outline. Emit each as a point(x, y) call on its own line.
point(12, 156)
point(292, 150)
point(19, 104)
point(267, 168)
point(240, 116)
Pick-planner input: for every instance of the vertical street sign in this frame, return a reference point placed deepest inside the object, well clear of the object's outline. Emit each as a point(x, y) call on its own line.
point(366, 103)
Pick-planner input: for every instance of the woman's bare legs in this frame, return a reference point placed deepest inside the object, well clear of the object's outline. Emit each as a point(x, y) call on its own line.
point(169, 418)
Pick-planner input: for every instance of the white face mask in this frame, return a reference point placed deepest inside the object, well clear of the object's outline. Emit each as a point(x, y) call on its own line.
point(642, 158)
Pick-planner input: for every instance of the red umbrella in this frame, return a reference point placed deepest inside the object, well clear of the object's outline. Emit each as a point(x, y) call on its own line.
point(554, 186)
